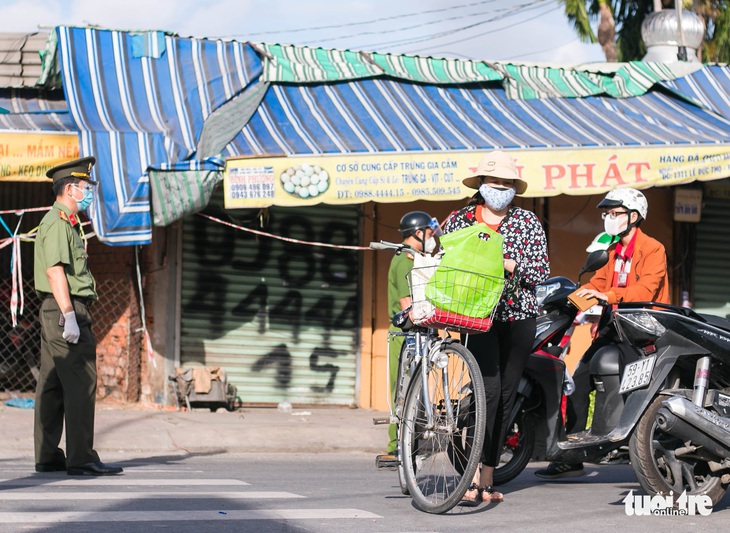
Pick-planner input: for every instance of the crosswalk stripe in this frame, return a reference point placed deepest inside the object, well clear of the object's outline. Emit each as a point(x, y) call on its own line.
point(44, 517)
point(253, 495)
point(124, 481)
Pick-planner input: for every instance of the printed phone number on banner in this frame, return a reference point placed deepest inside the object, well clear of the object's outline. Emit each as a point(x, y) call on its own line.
point(252, 190)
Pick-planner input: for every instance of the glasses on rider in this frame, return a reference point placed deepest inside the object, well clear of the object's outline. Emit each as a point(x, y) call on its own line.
point(613, 215)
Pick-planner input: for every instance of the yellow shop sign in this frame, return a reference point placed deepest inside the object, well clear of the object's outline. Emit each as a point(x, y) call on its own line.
point(27, 156)
point(409, 176)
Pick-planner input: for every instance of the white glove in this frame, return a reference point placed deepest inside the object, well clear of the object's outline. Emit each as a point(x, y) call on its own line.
point(71, 331)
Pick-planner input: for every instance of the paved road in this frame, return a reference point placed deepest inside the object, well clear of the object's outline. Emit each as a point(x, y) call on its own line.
point(327, 493)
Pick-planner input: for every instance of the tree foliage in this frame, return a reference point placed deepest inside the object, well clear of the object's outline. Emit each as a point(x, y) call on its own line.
point(628, 16)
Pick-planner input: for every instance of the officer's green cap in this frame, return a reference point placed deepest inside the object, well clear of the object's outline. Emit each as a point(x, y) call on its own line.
point(78, 168)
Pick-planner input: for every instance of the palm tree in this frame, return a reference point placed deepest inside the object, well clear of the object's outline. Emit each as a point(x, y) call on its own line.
point(628, 15)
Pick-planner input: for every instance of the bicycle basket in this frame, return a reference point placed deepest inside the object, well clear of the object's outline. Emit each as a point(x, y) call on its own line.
point(453, 298)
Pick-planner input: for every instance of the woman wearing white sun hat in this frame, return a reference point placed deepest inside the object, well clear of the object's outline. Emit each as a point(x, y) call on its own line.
point(503, 351)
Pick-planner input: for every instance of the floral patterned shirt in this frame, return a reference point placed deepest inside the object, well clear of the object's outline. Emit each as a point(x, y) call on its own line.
point(525, 243)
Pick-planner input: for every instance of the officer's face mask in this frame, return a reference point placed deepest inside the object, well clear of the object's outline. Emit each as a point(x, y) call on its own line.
point(429, 244)
point(85, 202)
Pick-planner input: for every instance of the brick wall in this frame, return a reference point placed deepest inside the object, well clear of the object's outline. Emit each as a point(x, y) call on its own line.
point(116, 322)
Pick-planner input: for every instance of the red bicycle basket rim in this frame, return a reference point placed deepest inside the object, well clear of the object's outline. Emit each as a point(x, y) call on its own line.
point(465, 324)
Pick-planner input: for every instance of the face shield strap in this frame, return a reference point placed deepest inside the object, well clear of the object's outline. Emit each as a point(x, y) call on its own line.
point(421, 239)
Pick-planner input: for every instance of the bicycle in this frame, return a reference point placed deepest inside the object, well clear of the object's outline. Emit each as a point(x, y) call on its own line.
point(439, 405)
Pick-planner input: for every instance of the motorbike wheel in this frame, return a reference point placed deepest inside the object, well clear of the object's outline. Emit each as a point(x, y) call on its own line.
point(517, 452)
point(658, 469)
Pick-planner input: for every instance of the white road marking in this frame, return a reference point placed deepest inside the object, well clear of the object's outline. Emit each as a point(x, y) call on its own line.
point(123, 481)
point(45, 517)
point(6, 495)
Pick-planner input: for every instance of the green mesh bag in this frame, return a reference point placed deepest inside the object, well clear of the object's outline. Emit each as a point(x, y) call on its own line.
point(470, 277)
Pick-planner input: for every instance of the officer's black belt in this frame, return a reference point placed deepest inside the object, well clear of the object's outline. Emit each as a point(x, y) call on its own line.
point(83, 301)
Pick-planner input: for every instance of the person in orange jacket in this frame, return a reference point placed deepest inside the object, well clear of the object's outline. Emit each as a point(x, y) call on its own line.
point(636, 272)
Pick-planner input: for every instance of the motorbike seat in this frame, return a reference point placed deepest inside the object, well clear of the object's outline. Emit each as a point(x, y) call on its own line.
point(716, 321)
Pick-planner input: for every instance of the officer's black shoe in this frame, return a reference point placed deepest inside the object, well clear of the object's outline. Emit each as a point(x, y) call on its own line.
point(96, 468)
point(50, 467)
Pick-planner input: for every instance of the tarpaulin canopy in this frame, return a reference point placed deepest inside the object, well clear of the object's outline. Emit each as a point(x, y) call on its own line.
point(140, 100)
point(298, 64)
point(708, 87)
point(156, 101)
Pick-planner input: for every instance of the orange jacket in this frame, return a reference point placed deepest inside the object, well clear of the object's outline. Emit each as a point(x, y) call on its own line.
point(647, 281)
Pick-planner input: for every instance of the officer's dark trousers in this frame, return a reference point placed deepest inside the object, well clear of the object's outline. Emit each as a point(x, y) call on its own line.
point(66, 389)
point(502, 354)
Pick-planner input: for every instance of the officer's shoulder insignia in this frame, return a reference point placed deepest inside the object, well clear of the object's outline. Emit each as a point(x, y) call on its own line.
point(71, 219)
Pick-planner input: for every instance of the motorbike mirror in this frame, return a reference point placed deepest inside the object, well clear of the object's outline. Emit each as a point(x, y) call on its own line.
point(594, 261)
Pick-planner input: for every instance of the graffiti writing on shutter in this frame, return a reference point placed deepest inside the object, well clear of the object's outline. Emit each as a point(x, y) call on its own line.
point(298, 304)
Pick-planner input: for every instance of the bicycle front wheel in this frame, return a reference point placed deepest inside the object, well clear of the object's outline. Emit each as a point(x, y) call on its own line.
point(442, 429)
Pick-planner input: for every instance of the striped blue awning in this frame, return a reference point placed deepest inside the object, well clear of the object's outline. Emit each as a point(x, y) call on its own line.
point(140, 100)
point(384, 115)
point(35, 110)
point(708, 87)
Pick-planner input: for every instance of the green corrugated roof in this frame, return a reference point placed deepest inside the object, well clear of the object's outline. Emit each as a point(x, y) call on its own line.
point(301, 64)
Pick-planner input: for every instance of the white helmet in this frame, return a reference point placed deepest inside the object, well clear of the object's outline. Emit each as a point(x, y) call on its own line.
point(631, 199)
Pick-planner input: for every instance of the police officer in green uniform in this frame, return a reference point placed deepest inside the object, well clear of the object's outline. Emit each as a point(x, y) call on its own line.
point(418, 229)
point(67, 381)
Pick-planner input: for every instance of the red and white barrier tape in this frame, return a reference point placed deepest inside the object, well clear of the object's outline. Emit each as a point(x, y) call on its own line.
point(17, 294)
point(21, 211)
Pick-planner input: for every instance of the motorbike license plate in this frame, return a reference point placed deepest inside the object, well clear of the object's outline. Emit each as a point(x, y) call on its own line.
point(637, 374)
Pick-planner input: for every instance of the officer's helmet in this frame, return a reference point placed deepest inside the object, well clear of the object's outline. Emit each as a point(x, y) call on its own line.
point(413, 221)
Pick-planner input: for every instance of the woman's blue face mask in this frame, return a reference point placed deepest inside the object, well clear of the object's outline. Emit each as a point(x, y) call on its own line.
point(496, 198)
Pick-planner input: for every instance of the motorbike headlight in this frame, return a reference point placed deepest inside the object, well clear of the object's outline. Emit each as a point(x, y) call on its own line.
point(545, 290)
point(639, 328)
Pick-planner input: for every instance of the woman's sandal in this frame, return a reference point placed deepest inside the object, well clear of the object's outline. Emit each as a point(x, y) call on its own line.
point(488, 494)
point(477, 499)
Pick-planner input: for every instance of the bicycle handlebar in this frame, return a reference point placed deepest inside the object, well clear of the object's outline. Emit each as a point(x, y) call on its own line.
point(397, 248)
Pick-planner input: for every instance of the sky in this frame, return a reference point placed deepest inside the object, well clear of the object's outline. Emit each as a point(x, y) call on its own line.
point(519, 30)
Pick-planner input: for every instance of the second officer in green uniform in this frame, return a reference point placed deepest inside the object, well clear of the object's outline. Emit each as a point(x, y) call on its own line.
point(66, 389)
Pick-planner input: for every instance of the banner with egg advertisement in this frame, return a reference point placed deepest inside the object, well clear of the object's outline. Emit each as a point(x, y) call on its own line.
point(409, 176)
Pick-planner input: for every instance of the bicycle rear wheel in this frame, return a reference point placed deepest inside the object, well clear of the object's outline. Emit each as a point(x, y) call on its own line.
point(404, 373)
point(440, 458)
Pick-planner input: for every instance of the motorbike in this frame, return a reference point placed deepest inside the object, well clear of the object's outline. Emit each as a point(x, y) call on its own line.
point(662, 397)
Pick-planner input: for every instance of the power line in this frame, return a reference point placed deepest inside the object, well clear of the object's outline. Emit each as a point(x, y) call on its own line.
point(521, 8)
point(422, 24)
point(492, 31)
point(543, 51)
point(361, 23)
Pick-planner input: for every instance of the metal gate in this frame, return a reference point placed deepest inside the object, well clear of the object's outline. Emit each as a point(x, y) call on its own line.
point(281, 318)
point(711, 279)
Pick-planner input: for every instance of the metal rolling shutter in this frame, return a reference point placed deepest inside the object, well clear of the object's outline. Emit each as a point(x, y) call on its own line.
point(282, 319)
point(712, 266)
